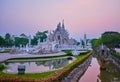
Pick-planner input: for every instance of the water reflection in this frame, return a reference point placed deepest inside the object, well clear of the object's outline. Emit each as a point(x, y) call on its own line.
point(91, 75)
point(94, 74)
point(37, 66)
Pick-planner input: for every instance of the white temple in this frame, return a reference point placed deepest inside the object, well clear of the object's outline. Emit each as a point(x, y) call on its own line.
point(61, 36)
point(58, 40)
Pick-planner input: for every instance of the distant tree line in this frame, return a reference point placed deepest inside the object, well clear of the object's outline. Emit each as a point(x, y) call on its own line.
point(10, 40)
point(110, 39)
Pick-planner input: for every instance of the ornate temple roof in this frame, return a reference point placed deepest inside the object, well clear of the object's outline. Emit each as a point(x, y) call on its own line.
point(61, 29)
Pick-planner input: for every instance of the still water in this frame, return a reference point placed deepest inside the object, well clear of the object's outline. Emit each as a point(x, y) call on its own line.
point(94, 74)
point(37, 66)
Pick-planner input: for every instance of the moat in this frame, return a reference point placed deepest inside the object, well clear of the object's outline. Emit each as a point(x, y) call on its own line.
point(94, 74)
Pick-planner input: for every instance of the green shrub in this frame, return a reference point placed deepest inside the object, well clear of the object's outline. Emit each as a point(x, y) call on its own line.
point(115, 54)
point(69, 52)
point(2, 66)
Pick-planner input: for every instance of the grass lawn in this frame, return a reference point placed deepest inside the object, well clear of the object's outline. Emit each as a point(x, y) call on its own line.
point(34, 76)
point(69, 52)
point(46, 57)
point(5, 51)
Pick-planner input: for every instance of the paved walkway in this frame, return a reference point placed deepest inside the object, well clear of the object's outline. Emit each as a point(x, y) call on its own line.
point(6, 56)
point(117, 50)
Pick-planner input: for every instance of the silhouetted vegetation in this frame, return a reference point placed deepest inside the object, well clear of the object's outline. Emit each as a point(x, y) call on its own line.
point(2, 67)
point(110, 39)
point(39, 35)
point(22, 39)
point(117, 55)
point(2, 41)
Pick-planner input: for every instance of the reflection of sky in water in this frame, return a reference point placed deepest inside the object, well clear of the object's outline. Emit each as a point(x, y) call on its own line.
point(111, 74)
point(91, 75)
point(38, 66)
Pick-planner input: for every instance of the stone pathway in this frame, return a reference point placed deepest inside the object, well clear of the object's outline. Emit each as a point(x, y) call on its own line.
point(6, 56)
point(117, 50)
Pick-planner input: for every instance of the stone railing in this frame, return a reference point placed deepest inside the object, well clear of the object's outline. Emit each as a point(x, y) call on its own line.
point(77, 72)
point(71, 47)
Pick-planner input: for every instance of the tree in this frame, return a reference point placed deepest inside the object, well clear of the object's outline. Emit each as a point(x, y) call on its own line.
point(39, 35)
point(8, 40)
point(20, 41)
point(34, 41)
point(96, 42)
point(111, 39)
point(78, 43)
point(2, 41)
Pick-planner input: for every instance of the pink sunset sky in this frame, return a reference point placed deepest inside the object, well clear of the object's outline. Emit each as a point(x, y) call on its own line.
point(91, 17)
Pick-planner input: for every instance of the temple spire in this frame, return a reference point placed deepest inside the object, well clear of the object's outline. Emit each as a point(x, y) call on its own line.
point(63, 24)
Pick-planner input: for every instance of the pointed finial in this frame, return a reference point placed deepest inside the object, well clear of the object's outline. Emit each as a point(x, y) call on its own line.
point(63, 23)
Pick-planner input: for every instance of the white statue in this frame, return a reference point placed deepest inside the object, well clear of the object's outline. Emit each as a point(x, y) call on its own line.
point(29, 41)
point(39, 41)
